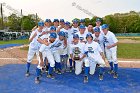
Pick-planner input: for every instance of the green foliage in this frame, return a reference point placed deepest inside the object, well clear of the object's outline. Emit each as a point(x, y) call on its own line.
point(25, 41)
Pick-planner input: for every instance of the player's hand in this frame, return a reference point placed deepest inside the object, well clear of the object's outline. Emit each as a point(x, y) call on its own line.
point(108, 47)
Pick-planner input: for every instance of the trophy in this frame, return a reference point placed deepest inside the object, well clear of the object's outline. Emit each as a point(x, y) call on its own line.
point(76, 53)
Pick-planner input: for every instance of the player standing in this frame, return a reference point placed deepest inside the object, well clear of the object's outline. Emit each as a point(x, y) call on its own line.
point(110, 42)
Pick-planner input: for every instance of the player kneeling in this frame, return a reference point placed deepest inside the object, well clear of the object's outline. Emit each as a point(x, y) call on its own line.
point(77, 53)
point(46, 47)
point(94, 56)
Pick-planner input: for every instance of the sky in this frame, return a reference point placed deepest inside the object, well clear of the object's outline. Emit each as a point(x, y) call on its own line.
point(69, 9)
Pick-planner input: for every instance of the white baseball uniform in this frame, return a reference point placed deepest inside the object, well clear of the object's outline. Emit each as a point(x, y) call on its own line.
point(111, 53)
point(78, 64)
point(93, 56)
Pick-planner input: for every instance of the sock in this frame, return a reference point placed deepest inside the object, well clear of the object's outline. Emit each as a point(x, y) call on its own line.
point(74, 64)
point(101, 71)
point(38, 72)
point(116, 68)
point(45, 61)
point(28, 66)
point(50, 70)
point(111, 65)
point(59, 65)
point(86, 71)
point(70, 61)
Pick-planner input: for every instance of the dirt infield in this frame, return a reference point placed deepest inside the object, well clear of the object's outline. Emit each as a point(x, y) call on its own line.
point(15, 55)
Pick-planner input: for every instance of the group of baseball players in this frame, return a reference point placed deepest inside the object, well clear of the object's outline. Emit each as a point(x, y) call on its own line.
point(65, 47)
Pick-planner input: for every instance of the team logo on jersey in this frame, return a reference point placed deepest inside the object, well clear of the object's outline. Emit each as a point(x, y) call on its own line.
point(81, 38)
point(76, 52)
point(105, 39)
point(90, 50)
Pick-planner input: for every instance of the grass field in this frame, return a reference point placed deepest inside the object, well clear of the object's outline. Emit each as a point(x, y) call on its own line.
point(25, 41)
point(125, 50)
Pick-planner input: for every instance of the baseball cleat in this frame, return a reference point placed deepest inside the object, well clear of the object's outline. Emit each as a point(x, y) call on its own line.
point(59, 72)
point(115, 75)
point(50, 76)
point(110, 72)
point(37, 81)
point(27, 74)
point(85, 79)
point(70, 69)
point(100, 77)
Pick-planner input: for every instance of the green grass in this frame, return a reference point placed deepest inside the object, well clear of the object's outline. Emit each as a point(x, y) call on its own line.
point(130, 51)
point(125, 50)
point(25, 41)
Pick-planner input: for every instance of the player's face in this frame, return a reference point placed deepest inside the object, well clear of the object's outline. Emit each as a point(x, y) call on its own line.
point(98, 23)
point(52, 40)
point(82, 31)
point(105, 31)
point(45, 39)
point(46, 23)
point(40, 27)
point(75, 25)
point(97, 34)
point(90, 28)
point(89, 39)
point(52, 30)
point(75, 40)
point(56, 23)
point(62, 23)
point(61, 38)
point(66, 26)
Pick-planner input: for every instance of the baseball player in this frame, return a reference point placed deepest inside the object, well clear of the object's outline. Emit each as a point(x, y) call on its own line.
point(56, 48)
point(45, 47)
point(94, 56)
point(110, 43)
point(56, 23)
point(98, 37)
point(82, 22)
point(65, 52)
point(62, 22)
point(34, 45)
point(77, 53)
point(90, 29)
point(82, 34)
point(40, 40)
point(98, 24)
point(75, 28)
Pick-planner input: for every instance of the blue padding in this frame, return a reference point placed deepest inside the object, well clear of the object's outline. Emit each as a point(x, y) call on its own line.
point(12, 80)
point(9, 45)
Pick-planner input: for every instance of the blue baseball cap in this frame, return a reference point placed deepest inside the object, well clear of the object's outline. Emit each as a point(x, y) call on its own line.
point(61, 33)
point(62, 20)
point(82, 20)
point(47, 20)
point(55, 20)
point(82, 26)
point(40, 23)
point(53, 35)
point(89, 35)
point(52, 28)
point(104, 26)
point(75, 36)
point(67, 23)
point(96, 29)
point(75, 21)
point(98, 20)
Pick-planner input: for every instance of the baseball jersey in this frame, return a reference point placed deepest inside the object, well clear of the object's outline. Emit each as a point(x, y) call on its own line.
point(110, 39)
point(82, 37)
point(74, 30)
point(34, 44)
point(56, 45)
point(79, 46)
point(93, 50)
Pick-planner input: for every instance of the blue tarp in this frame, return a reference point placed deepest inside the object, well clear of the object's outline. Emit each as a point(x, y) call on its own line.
point(12, 80)
point(9, 45)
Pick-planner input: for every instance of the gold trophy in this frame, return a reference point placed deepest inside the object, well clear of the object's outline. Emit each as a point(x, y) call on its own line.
point(76, 53)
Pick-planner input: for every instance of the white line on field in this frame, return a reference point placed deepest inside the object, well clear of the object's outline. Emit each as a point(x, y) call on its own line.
point(120, 61)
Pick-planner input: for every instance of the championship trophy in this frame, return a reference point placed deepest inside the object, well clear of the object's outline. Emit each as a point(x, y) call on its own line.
point(76, 53)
